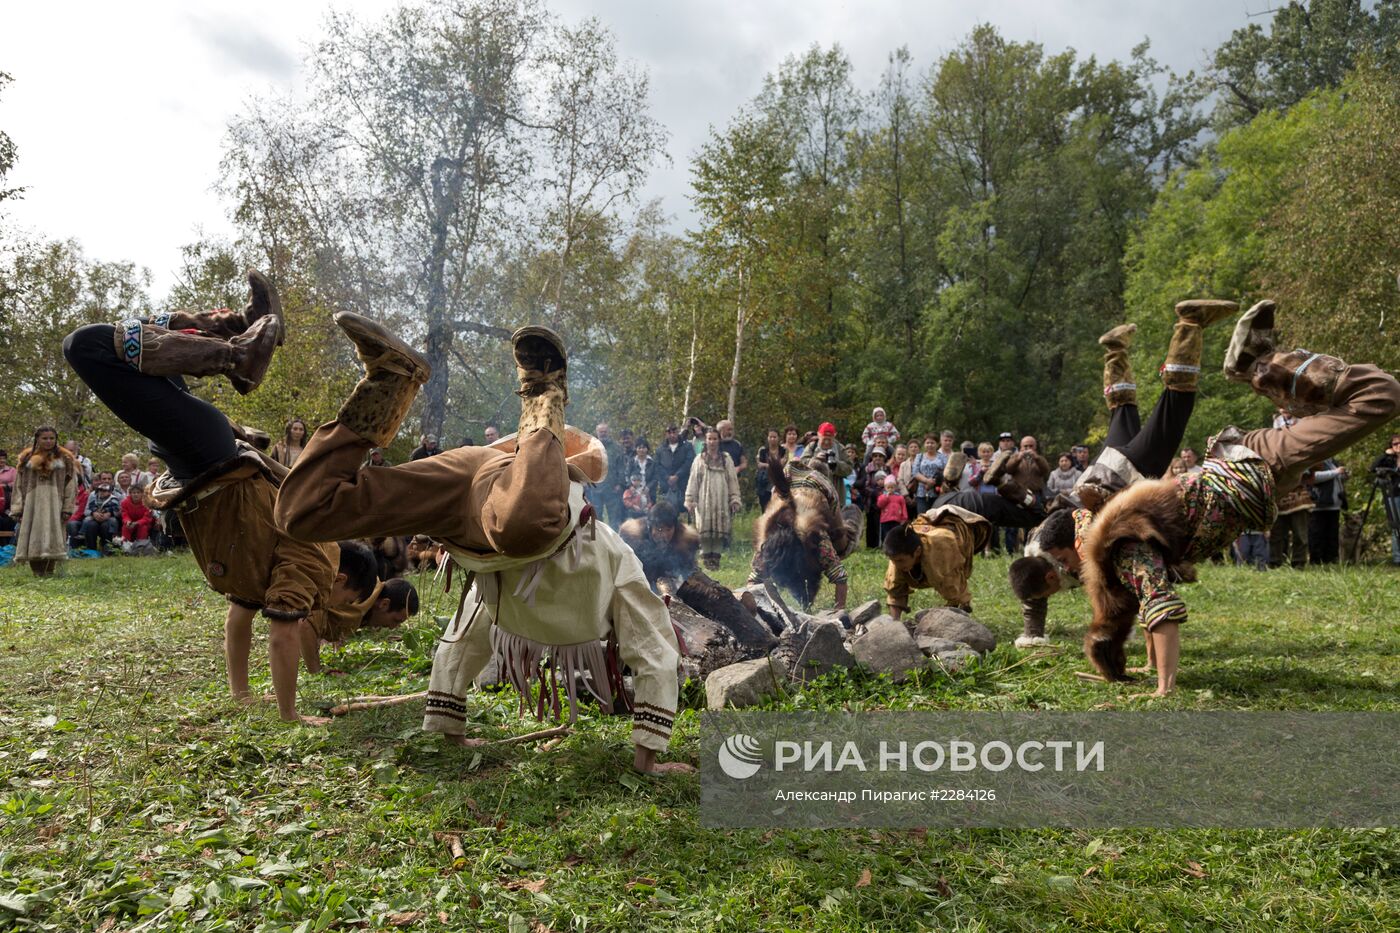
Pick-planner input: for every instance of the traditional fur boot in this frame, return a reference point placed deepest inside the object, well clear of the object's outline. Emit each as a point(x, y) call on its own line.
point(953, 470)
point(1182, 369)
point(1017, 476)
point(1033, 613)
point(1299, 382)
point(262, 301)
point(542, 365)
point(160, 352)
point(997, 468)
point(1118, 386)
point(393, 373)
point(1253, 338)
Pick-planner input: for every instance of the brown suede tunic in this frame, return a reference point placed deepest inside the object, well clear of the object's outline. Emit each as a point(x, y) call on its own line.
point(244, 556)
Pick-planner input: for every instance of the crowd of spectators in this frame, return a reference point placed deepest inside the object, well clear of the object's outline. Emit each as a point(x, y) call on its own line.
point(705, 471)
point(702, 472)
point(109, 512)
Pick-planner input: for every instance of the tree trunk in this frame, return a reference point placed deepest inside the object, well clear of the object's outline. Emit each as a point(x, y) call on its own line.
point(440, 332)
point(740, 320)
point(694, 349)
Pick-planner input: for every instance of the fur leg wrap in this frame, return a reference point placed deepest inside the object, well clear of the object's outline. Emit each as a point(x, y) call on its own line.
point(393, 373)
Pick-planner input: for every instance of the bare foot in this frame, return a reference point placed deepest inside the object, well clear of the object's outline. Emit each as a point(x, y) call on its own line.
point(463, 741)
point(1142, 670)
point(249, 699)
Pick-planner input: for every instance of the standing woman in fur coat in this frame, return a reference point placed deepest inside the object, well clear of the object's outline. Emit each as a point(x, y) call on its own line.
point(290, 446)
point(712, 498)
point(43, 502)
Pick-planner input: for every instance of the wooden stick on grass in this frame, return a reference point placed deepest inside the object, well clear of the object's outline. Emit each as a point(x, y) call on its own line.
point(363, 703)
point(535, 736)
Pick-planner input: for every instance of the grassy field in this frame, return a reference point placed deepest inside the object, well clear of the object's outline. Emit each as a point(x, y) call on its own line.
point(135, 795)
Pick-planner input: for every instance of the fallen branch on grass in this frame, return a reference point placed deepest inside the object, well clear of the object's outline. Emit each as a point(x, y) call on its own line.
point(535, 736)
point(357, 704)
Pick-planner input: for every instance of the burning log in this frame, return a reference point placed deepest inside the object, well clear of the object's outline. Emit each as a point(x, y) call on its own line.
point(714, 601)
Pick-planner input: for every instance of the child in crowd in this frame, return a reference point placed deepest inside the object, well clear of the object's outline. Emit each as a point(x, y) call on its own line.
point(137, 521)
point(894, 510)
point(879, 432)
point(635, 500)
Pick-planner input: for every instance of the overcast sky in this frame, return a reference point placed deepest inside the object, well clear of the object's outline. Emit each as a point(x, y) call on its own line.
point(118, 110)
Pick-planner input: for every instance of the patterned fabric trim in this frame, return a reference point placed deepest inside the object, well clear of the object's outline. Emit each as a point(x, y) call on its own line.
point(641, 716)
point(643, 727)
point(131, 343)
point(1119, 387)
point(1179, 368)
point(162, 319)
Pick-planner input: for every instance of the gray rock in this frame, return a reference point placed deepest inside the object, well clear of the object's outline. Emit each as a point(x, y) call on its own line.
point(839, 616)
point(931, 646)
point(886, 647)
point(825, 651)
point(862, 614)
point(955, 625)
point(955, 659)
point(744, 684)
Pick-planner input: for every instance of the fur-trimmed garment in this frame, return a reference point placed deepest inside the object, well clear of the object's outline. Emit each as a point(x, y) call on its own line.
point(582, 604)
point(45, 486)
point(673, 562)
point(801, 537)
point(1150, 536)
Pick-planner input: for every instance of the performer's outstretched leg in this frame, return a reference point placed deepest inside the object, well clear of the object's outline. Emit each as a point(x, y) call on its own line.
point(481, 498)
point(1337, 403)
point(1119, 388)
point(188, 433)
point(1148, 451)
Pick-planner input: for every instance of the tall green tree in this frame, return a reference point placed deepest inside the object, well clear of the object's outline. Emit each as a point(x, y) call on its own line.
point(738, 182)
point(1206, 237)
point(1329, 251)
point(1039, 167)
point(51, 288)
point(1307, 47)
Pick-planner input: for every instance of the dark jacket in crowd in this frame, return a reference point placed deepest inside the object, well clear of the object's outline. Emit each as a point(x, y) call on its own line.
point(673, 463)
point(734, 449)
point(112, 505)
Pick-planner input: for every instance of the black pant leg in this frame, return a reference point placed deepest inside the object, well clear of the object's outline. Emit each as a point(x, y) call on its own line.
point(1151, 450)
point(1124, 422)
point(189, 434)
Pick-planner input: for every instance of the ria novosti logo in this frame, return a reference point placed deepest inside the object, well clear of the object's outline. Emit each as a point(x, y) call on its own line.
point(739, 756)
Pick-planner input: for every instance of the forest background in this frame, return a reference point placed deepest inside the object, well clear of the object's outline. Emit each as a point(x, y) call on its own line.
point(948, 243)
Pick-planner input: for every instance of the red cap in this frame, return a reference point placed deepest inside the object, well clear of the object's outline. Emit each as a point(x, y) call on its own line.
point(827, 429)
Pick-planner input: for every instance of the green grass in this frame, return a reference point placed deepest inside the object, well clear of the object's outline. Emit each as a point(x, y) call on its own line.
point(136, 795)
